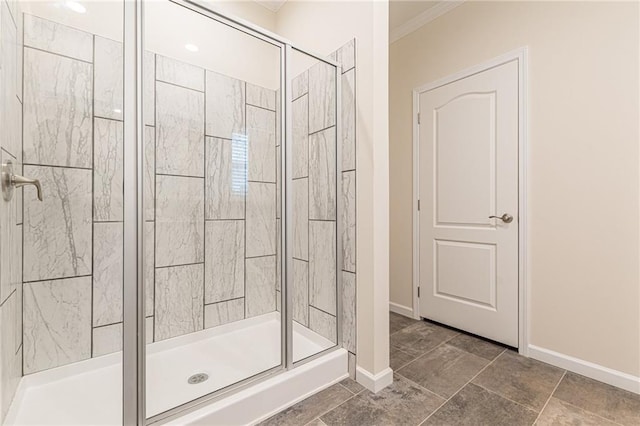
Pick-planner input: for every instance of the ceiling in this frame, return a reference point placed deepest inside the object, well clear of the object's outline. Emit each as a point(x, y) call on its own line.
point(402, 11)
point(272, 5)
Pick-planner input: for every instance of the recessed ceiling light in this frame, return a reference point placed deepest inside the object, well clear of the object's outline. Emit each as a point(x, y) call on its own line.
point(191, 47)
point(75, 6)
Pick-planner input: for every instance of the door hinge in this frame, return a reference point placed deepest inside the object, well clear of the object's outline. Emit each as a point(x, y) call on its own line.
point(418, 291)
point(418, 118)
point(418, 205)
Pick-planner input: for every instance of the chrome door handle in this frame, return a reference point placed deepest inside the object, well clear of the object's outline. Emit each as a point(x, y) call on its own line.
point(506, 218)
point(11, 181)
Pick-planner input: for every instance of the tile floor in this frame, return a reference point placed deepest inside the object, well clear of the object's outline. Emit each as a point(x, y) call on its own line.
point(445, 377)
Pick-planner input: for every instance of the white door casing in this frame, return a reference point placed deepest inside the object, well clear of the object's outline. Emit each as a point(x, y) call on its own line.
point(469, 170)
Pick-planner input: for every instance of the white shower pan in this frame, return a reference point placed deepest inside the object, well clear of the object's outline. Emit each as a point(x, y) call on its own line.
point(90, 392)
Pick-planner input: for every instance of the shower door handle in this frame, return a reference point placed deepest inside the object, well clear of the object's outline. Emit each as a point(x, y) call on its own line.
point(11, 181)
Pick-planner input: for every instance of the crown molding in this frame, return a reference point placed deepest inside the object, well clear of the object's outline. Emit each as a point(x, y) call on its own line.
point(425, 17)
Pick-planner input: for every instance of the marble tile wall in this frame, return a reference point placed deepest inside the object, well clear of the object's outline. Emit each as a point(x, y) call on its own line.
point(315, 216)
point(210, 196)
point(11, 220)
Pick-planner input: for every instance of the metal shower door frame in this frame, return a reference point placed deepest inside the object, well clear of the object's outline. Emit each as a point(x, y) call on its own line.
point(134, 346)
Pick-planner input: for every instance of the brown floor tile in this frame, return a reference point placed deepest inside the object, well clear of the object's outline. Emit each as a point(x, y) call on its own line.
point(560, 413)
point(476, 346)
point(352, 385)
point(310, 408)
point(523, 380)
point(475, 406)
point(397, 322)
point(398, 358)
point(604, 400)
point(444, 370)
point(401, 403)
point(420, 337)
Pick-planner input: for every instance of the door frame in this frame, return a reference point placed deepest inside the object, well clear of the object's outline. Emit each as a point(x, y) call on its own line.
point(520, 55)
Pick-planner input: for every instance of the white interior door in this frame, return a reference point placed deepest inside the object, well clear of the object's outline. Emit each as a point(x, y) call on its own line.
point(468, 171)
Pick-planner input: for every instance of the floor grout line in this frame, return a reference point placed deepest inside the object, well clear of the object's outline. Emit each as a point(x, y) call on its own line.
point(550, 396)
point(463, 386)
point(586, 411)
point(511, 400)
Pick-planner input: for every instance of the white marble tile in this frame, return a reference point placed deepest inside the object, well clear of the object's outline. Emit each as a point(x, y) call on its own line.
point(323, 324)
point(8, 58)
point(348, 121)
point(58, 100)
point(300, 225)
point(57, 323)
point(322, 265)
point(260, 297)
point(322, 175)
point(179, 300)
point(348, 298)
point(10, 356)
point(10, 243)
point(226, 178)
point(108, 79)
point(225, 98)
point(107, 339)
point(301, 291)
point(57, 233)
point(149, 267)
point(224, 266)
point(148, 330)
point(300, 85)
point(278, 182)
point(346, 56)
point(179, 131)
point(261, 219)
point(261, 97)
point(349, 221)
point(278, 254)
point(261, 140)
point(223, 312)
point(180, 73)
point(149, 173)
point(322, 97)
point(108, 167)
point(57, 38)
point(20, 44)
point(19, 292)
point(300, 137)
point(179, 220)
point(107, 273)
point(149, 87)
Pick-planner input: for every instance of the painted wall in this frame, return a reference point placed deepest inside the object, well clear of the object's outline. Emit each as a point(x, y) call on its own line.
point(583, 161)
point(322, 26)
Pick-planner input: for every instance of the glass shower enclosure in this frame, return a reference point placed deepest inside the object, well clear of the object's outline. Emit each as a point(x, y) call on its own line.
point(181, 238)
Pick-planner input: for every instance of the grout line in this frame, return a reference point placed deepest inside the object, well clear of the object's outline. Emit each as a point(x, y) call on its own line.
point(84, 61)
point(57, 279)
point(261, 107)
point(179, 85)
point(93, 189)
point(508, 399)
point(462, 387)
point(587, 411)
point(550, 396)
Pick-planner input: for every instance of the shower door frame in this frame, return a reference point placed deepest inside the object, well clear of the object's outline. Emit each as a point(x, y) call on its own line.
point(134, 343)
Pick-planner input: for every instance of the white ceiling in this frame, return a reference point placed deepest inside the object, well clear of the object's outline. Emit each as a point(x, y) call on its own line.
point(272, 5)
point(402, 11)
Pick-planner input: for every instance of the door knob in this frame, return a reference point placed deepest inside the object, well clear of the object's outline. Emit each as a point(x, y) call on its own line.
point(11, 181)
point(506, 218)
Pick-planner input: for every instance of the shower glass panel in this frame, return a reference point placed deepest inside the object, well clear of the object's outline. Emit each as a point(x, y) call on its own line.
point(62, 275)
point(314, 279)
point(212, 205)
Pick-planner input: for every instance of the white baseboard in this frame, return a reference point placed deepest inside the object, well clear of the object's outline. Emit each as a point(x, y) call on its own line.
point(401, 309)
point(374, 383)
point(597, 372)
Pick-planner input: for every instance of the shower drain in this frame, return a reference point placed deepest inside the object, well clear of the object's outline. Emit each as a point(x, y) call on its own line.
point(198, 378)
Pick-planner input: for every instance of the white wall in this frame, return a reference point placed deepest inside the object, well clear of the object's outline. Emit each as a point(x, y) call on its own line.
point(583, 141)
point(323, 26)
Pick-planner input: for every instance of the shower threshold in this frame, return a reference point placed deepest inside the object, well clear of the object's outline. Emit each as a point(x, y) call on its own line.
point(90, 391)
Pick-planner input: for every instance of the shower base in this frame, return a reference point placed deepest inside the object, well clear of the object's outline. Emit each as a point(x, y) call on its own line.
point(90, 391)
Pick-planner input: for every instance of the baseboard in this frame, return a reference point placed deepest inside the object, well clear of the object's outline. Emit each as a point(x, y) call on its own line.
point(597, 372)
point(374, 383)
point(401, 309)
